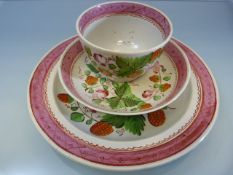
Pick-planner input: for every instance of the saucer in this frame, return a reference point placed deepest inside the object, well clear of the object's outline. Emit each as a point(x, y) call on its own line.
point(162, 84)
point(90, 153)
point(121, 133)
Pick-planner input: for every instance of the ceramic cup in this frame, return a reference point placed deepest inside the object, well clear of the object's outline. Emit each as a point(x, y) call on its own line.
point(123, 39)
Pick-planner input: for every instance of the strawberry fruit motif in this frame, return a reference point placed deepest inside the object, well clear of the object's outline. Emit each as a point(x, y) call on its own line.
point(91, 80)
point(101, 129)
point(157, 118)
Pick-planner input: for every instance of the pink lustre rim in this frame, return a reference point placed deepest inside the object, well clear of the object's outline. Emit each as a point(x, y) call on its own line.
point(116, 160)
point(175, 54)
point(149, 13)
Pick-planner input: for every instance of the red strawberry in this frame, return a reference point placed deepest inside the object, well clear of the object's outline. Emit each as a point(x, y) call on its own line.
point(157, 118)
point(101, 129)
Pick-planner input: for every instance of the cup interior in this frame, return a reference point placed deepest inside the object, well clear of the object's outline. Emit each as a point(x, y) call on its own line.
point(124, 26)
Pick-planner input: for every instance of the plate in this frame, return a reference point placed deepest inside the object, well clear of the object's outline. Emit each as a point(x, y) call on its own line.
point(124, 133)
point(162, 84)
point(112, 159)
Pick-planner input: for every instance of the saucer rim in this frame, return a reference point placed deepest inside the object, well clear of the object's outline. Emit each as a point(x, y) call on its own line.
point(128, 113)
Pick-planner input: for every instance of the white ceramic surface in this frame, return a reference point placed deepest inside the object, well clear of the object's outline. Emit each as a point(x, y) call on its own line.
point(126, 30)
point(161, 85)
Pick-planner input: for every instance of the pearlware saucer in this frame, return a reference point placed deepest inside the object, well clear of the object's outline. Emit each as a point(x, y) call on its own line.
point(124, 133)
point(163, 83)
point(92, 154)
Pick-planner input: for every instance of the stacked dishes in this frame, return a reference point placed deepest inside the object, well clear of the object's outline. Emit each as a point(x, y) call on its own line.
point(122, 94)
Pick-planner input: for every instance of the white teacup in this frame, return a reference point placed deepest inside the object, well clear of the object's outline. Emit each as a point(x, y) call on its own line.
point(123, 39)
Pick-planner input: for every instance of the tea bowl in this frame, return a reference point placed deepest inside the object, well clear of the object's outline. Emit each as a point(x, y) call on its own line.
point(123, 39)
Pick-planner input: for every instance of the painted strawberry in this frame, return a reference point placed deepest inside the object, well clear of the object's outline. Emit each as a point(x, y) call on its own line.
point(154, 78)
point(145, 106)
point(156, 54)
point(100, 59)
point(100, 94)
point(164, 87)
point(157, 118)
point(101, 129)
point(90, 80)
point(147, 93)
point(65, 98)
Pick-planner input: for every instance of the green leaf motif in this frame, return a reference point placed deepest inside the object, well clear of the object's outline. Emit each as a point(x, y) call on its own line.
point(112, 66)
point(102, 80)
point(133, 124)
point(124, 97)
point(166, 78)
point(115, 102)
point(129, 65)
point(91, 90)
point(92, 68)
point(88, 50)
point(89, 121)
point(130, 102)
point(74, 108)
point(105, 87)
point(156, 85)
point(77, 117)
point(157, 97)
point(115, 120)
point(84, 85)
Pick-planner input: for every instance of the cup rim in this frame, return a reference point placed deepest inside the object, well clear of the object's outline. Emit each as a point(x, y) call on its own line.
point(151, 49)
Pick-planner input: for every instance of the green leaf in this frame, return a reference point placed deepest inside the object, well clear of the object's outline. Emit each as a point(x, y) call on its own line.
point(141, 61)
point(135, 124)
point(84, 85)
point(105, 87)
point(121, 89)
point(124, 97)
point(89, 121)
point(90, 91)
point(157, 97)
point(112, 66)
point(102, 80)
point(74, 108)
point(115, 102)
point(130, 102)
point(125, 71)
point(166, 78)
point(129, 65)
point(77, 117)
point(156, 85)
point(122, 62)
point(115, 120)
point(98, 75)
point(92, 68)
point(88, 50)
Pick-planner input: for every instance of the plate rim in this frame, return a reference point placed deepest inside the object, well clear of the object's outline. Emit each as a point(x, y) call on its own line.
point(131, 167)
